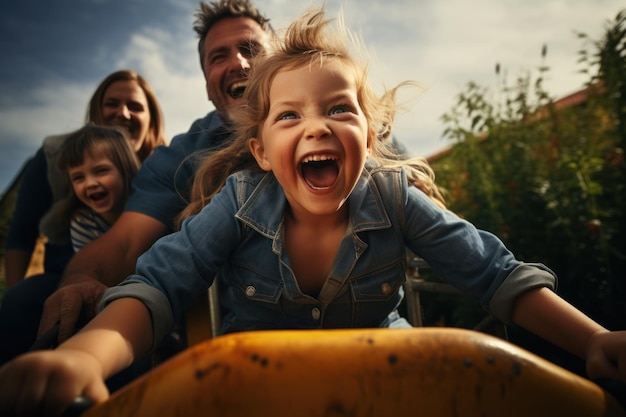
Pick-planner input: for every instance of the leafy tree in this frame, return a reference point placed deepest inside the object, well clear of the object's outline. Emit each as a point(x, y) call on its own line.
point(550, 179)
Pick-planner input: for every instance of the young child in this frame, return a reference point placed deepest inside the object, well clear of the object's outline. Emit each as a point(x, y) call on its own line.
point(100, 165)
point(309, 231)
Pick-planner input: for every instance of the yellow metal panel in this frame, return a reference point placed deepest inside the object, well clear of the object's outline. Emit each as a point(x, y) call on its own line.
point(379, 372)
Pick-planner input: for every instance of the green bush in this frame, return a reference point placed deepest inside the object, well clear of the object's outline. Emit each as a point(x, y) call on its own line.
point(550, 180)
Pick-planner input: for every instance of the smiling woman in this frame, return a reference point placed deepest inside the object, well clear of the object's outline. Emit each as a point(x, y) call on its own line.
point(124, 100)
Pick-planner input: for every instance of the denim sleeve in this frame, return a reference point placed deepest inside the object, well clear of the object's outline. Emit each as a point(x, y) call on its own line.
point(33, 201)
point(475, 261)
point(182, 265)
point(154, 300)
point(525, 277)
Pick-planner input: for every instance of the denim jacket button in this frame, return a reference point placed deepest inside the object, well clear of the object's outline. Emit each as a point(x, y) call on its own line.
point(385, 288)
point(250, 291)
point(315, 313)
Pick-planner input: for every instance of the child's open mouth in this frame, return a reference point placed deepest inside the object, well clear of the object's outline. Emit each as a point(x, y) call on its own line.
point(319, 172)
point(97, 197)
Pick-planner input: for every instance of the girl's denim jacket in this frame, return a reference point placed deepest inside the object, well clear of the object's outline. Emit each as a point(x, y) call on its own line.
point(239, 238)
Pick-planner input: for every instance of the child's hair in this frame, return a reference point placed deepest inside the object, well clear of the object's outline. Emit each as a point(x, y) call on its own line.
point(308, 41)
point(94, 141)
point(100, 140)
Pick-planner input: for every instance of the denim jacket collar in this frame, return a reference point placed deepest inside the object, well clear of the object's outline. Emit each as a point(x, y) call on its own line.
point(264, 209)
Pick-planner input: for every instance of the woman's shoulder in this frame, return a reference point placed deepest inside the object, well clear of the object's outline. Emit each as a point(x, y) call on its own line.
point(52, 144)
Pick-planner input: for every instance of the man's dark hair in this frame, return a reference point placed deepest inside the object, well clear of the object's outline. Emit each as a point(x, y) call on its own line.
point(210, 14)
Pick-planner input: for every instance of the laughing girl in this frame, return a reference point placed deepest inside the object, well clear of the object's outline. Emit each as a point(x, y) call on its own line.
point(305, 219)
point(100, 165)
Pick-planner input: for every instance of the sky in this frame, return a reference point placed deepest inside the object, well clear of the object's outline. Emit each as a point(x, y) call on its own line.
point(55, 52)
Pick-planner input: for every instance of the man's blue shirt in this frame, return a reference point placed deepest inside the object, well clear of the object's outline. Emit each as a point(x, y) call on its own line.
point(162, 185)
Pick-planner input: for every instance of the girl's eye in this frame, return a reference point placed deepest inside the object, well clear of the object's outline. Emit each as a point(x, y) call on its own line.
point(103, 170)
point(339, 110)
point(288, 116)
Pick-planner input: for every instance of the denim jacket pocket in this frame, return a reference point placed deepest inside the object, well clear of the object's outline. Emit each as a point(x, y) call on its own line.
point(256, 302)
point(380, 285)
point(260, 288)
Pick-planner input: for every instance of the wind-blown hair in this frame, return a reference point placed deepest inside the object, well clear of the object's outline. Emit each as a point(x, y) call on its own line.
point(308, 41)
point(156, 131)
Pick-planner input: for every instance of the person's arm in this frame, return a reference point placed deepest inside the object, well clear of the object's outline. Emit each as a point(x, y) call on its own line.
point(512, 291)
point(547, 315)
point(34, 198)
point(103, 263)
point(160, 192)
point(112, 256)
point(16, 265)
point(46, 382)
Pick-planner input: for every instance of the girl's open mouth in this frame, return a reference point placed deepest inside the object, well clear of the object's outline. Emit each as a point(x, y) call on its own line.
point(320, 172)
point(97, 197)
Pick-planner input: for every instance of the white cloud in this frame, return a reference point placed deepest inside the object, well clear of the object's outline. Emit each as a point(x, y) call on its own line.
point(454, 42)
point(446, 44)
point(441, 44)
point(52, 109)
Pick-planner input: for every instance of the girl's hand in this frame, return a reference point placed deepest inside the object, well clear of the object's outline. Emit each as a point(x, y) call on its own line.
point(45, 383)
point(606, 355)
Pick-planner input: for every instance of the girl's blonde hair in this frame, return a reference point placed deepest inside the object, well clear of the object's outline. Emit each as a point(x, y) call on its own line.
point(308, 41)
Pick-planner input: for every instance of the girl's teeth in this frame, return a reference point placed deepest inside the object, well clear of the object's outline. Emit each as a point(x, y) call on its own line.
point(318, 158)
